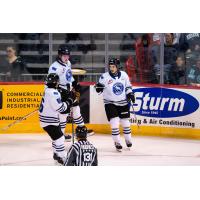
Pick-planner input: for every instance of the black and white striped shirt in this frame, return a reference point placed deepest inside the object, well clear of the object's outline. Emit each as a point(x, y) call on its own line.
point(82, 153)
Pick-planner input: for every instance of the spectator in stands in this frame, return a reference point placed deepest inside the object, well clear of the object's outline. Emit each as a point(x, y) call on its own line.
point(4, 69)
point(190, 42)
point(35, 42)
point(79, 45)
point(15, 64)
point(170, 38)
point(193, 74)
point(142, 51)
point(126, 43)
point(170, 55)
point(177, 73)
point(190, 45)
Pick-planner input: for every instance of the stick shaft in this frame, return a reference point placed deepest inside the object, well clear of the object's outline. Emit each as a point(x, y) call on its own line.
point(19, 120)
point(135, 116)
point(72, 125)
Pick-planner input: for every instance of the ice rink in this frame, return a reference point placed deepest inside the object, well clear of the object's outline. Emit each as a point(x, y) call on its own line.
point(35, 150)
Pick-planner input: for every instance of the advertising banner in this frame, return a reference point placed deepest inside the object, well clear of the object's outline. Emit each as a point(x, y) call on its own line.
point(167, 107)
point(17, 101)
point(158, 111)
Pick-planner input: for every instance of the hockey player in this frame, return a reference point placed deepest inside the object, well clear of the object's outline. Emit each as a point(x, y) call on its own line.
point(62, 67)
point(117, 92)
point(50, 107)
point(82, 153)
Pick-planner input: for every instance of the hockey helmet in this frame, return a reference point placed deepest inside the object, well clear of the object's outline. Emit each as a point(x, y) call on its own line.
point(114, 61)
point(51, 80)
point(63, 50)
point(81, 132)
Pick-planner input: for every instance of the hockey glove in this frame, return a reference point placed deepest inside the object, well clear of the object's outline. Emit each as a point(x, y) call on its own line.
point(69, 103)
point(131, 97)
point(99, 87)
point(66, 111)
point(71, 99)
point(76, 86)
point(64, 94)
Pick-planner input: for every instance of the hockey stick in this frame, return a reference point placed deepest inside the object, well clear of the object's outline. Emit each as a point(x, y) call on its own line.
point(19, 120)
point(72, 118)
point(135, 117)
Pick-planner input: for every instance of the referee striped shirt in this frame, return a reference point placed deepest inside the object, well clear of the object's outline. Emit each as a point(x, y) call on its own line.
point(82, 153)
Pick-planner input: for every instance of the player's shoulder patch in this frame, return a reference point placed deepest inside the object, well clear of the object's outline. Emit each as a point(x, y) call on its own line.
point(56, 93)
point(102, 77)
point(54, 68)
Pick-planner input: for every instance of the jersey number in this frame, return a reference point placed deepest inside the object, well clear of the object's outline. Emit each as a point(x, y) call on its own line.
point(87, 157)
point(41, 105)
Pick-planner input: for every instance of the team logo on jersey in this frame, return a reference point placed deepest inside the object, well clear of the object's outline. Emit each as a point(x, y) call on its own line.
point(118, 88)
point(110, 81)
point(69, 75)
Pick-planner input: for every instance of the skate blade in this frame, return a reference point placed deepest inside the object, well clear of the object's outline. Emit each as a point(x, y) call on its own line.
point(68, 140)
point(90, 134)
point(119, 150)
point(57, 163)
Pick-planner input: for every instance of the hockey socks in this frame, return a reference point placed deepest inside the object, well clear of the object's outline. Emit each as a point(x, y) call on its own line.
point(59, 148)
point(79, 121)
point(116, 138)
point(127, 135)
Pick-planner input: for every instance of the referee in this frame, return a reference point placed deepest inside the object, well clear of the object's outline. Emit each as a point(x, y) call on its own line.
point(82, 152)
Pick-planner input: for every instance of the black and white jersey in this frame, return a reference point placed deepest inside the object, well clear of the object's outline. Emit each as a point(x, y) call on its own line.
point(50, 107)
point(116, 88)
point(82, 153)
point(64, 72)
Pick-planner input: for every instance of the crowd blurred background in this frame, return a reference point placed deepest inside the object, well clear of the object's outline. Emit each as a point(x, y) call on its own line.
point(167, 58)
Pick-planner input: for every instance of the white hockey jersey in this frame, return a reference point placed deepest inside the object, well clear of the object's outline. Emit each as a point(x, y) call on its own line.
point(116, 88)
point(50, 107)
point(64, 72)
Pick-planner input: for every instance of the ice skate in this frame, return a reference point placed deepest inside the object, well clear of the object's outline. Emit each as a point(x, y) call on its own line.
point(129, 144)
point(58, 160)
point(90, 132)
point(118, 147)
point(68, 138)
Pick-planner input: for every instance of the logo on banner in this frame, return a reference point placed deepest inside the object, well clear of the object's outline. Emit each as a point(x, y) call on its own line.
point(118, 88)
point(163, 102)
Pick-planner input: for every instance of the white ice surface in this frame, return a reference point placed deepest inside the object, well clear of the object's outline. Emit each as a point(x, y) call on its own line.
point(35, 150)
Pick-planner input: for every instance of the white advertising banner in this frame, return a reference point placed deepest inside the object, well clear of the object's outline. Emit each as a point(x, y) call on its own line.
point(156, 106)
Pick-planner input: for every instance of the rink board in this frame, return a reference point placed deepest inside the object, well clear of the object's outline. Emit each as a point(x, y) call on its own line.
point(163, 111)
